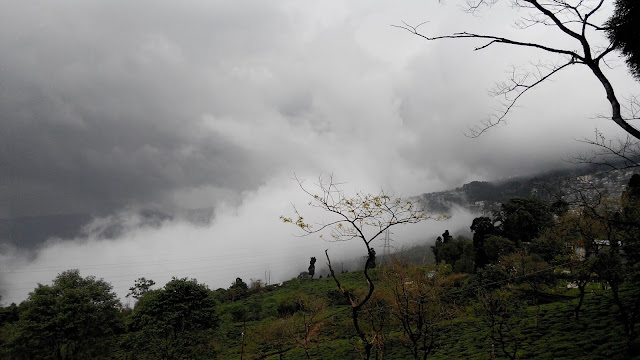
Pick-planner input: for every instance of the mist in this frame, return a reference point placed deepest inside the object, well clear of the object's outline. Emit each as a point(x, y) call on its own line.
point(246, 240)
point(112, 108)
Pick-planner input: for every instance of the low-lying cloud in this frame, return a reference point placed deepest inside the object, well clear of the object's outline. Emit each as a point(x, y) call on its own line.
point(247, 241)
point(170, 106)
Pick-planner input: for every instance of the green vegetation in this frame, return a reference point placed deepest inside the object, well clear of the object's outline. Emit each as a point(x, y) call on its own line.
point(566, 288)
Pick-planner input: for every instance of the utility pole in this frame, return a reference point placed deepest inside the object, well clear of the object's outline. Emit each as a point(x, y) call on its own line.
point(267, 277)
point(386, 248)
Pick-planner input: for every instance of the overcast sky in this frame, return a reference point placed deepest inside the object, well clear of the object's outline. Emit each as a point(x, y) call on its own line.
point(111, 106)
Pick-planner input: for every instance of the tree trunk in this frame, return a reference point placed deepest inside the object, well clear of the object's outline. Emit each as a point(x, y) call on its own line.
point(616, 114)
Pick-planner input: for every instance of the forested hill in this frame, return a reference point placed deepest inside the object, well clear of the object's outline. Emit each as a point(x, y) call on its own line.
point(483, 196)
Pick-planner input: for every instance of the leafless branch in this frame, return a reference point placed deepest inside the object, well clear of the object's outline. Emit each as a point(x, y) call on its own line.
point(617, 153)
point(513, 89)
point(573, 19)
point(363, 216)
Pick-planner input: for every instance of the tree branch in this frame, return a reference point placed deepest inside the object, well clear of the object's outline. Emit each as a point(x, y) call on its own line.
point(573, 20)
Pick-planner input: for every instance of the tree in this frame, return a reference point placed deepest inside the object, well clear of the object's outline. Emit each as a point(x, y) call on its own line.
point(482, 227)
point(238, 289)
point(377, 317)
point(372, 259)
point(446, 237)
point(574, 20)
point(533, 274)
point(174, 322)
point(9, 314)
point(630, 217)
point(141, 287)
point(436, 249)
point(611, 245)
point(465, 264)
point(273, 338)
point(74, 318)
point(442, 246)
point(305, 326)
point(523, 219)
point(617, 261)
point(419, 305)
point(363, 217)
point(497, 246)
point(581, 236)
point(501, 313)
point(550, 246)
point(312, 266)
point(624, 32)
point(458, 252)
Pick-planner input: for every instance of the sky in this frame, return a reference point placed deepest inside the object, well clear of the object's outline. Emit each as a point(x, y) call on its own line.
point(110, 107)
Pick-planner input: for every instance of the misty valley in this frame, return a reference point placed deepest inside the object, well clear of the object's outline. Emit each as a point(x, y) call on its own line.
point(298, 180)
point(550, 276)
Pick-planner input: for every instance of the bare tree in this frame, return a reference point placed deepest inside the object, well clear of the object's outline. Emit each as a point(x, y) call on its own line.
point(501, 313)
point(362, 217)
point(576, 20)
point(617, 153)
point(273, 337)
point(418, 304)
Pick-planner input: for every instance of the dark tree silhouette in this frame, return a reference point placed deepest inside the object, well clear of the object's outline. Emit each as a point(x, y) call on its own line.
point(312, 267)
point(482, 228)
point(371, 259)
point(575, 20)
point(446, 237)
point(238, 289)
point(522, 219)
point(141, 287)
point(436, 249)
point(623, 29)
point(74, 318)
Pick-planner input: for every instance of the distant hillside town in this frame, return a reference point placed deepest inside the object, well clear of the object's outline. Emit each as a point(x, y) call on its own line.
point(483, 197)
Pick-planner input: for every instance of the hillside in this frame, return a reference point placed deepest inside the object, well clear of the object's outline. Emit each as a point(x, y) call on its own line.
point(537, 284)
point(482, 196)
point(557, 336)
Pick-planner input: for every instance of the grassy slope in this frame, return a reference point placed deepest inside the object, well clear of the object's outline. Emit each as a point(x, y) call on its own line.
point(598, 334)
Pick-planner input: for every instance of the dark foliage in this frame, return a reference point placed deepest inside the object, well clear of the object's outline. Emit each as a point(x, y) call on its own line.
point(522, 219)
point(74, 318)
point(312, 267)
point(482, 227)
point(174, 322)
point(623, 28)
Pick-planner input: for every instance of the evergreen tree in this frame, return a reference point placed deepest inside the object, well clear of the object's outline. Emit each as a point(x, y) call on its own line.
point(312, 267)
point(74, 318)
point(482, 228)
point(436, 249)
point(623, 29)
point(372, 259)
point(175, 322)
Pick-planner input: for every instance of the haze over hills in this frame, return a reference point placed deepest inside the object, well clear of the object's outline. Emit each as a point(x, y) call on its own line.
point(482, 197)
point(30, 233)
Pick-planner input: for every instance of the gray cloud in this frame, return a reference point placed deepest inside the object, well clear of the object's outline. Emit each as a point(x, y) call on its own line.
point(108, 105)
point(113, 103)
point(102, 104)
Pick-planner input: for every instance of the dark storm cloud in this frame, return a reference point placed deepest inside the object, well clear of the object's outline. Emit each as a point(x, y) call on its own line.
point(102, 104)
point(111, 103)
